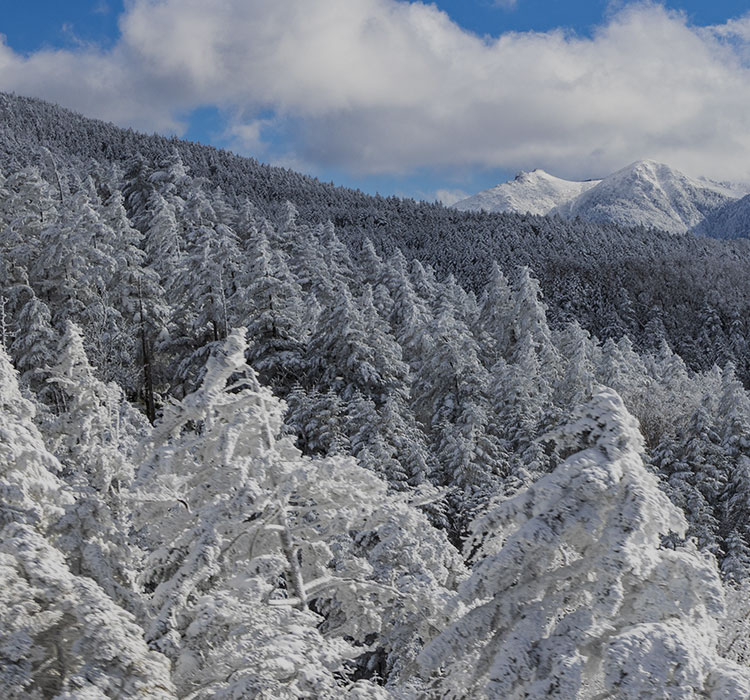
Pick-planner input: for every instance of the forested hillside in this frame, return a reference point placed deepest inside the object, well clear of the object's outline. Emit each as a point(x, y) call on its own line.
point(253, 443)
point(693, 292)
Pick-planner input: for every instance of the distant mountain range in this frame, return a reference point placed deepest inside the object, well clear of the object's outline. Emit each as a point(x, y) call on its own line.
point(644, 193)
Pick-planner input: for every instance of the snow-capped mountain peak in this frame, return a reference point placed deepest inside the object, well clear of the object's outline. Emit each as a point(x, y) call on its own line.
point(650, 194)
point(535, 192)
point(646, 193)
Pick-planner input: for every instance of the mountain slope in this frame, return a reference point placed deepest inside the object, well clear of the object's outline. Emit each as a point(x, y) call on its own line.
point(613, 279)
point(731, 221)
point(644, 193)
point(536, 192)
point(650, 194)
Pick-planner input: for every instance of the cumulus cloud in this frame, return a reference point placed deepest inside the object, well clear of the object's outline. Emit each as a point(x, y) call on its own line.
point(382, 86)
point(449, 197)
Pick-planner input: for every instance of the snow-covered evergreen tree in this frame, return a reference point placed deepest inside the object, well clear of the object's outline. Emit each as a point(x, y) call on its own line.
point(494, 321)
point(28, 208)
point(351, 350)
point(60, 634)
point(85, 437)
point(270, 302)
point(530, 325)
point(572, 595)
point(35, 341)
point(241, 523)
point(696, 473)
point(734, 407)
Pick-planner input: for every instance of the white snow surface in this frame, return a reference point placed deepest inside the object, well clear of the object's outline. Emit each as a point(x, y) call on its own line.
point(536, 192)
point(643, 193)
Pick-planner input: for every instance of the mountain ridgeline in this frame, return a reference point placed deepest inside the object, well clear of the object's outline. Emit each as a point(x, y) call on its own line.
point(265, 437)
point(644, 193)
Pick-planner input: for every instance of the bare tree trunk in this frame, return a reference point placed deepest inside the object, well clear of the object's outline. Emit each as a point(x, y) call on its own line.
point(148, 378)
point(3, 323)
point(294, 573)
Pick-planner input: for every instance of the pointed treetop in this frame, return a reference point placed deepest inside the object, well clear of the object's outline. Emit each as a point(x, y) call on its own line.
point(11, 399)
point(73, 365)
point(602, 423)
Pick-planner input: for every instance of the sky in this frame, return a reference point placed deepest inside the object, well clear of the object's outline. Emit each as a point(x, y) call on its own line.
point(427, 100)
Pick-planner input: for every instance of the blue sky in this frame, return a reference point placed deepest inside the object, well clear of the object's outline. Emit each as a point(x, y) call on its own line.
point(424, 103)
point(33, 24)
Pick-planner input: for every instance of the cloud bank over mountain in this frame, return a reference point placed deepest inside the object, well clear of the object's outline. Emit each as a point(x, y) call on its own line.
point(379, 86)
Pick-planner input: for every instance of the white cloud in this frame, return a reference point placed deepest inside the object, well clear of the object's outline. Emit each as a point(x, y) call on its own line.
point(247, 136)
point(380, 86)
point(449, 197)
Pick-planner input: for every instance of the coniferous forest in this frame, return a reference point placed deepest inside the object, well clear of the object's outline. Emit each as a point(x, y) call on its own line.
point(264, 437)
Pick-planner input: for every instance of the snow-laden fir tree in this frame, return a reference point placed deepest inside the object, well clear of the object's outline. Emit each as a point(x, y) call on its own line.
point(572, 595)
point(28, 207)
point(61, 635)
point(667, 376)
point(494, 320)
point(387, 440)
point(577, 378)
point(423, 280)
point(410, 315)
point(170, 179)
point(696, 473)
point(450, 400)
point(320, 421)
point(270, 302)
point(336, 255)
point(137, 189)
point(163, 245)
point(212, 265)
point(270, 572)
point(352, 350)
point(32, 491)
point(85, 435)
point(370, 266)
point(35, 341)
point(734, 408)
point(522, 405)
point(140, 301)
point(75, 265)
point(530, 325)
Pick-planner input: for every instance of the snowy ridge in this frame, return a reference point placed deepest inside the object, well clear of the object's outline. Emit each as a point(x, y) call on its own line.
point(731, 221)
point(649, 194)
point(536, 192)
point(644, 193)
